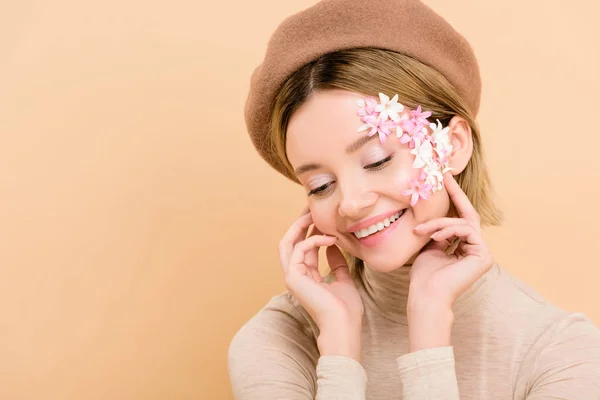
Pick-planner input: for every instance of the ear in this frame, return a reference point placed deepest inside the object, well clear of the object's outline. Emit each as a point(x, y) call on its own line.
point(462, 144)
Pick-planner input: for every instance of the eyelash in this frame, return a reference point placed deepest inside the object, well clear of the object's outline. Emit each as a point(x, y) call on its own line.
point(379, 165)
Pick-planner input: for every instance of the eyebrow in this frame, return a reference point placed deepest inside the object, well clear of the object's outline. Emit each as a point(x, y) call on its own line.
point(352, 148)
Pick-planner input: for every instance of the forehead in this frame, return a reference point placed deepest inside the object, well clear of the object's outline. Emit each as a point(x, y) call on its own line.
point(326, 122)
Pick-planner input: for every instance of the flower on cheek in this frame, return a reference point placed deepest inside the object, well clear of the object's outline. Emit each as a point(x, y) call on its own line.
point(414, 127)
point(431, 151)
point(418, 190)
point(423, 152)
point(420, 117)
point(441, 139)
point(434, 175)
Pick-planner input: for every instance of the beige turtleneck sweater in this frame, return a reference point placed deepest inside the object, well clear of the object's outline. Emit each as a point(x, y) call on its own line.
point(507, 343)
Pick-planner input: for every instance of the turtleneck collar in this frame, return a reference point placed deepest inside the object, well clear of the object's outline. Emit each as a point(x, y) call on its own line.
point(387, 292)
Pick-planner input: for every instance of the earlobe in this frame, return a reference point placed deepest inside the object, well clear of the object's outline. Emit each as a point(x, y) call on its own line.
point(462, 144)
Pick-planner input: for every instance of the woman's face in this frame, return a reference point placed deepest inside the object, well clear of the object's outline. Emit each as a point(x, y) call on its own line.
point(354, 181)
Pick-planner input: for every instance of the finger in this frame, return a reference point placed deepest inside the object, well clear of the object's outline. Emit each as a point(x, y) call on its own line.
point(427, 228)
point(315, 231)
point(311, 262)
point(461, 201)
point(440, 245)
point(298, 258)
point(337, 263)
point(305, 210)
point(312, 258)
point(342, 274)
point(459, 251)
point(296, 233)
point(315, 274)
point(466, 271)
point(464, 231)
point(469, 249)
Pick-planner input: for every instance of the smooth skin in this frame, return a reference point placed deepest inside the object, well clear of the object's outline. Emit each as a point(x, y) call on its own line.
point(335, 307)
point(436, 279)
point(365, 182)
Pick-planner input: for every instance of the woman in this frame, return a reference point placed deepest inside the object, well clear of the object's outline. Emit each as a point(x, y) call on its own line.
point(371, 107)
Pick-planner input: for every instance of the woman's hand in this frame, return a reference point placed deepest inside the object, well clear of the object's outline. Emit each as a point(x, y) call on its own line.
point(336, 307)
point(437, 278)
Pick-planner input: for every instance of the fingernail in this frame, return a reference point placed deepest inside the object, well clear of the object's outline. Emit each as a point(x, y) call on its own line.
point(433, 236)
point(418, 227)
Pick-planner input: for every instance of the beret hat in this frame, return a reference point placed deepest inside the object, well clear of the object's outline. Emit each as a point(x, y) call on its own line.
point(404, 26)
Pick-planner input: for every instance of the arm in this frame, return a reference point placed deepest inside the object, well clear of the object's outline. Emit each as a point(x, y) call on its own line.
point(444, 269)
point(428, 370)
point(274, 356)
point(428, 374)
point(567, 365)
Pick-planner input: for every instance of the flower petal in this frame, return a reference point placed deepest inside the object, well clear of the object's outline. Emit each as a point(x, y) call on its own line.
point(383, 98)
point(413, 199)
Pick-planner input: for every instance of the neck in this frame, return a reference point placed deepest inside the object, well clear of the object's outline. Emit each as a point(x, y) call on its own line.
point(387, 292)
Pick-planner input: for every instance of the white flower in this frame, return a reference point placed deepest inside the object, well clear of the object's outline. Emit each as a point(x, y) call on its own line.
point(435, 177)
point(389, 107)
point(441, 139)
point(423, 152)
point(399, 131)
point(446, 166)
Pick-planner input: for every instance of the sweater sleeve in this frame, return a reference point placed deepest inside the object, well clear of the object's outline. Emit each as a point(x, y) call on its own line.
point(428, 374)
point(275, 356)
point(567, 363)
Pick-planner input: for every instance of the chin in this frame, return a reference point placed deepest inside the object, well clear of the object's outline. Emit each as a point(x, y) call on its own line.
point(390, 259)
point(382, 264)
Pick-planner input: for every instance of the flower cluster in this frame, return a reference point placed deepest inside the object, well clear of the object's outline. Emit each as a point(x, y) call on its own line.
point(429, 142)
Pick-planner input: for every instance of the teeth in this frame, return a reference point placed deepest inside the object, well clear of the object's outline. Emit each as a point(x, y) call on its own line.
point(378, 226)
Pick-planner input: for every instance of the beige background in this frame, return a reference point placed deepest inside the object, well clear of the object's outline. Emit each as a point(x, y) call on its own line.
point(138, 228)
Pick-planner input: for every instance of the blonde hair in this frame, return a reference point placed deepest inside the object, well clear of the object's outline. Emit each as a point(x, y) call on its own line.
point(369, 71)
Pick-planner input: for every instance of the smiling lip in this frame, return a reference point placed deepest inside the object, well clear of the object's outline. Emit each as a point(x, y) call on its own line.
point(379, 237)
point(370, 221)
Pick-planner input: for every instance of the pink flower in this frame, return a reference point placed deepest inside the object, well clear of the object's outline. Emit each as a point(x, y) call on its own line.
point(418, 190)
point(415, 124)
point(367, 106)
point(410, 126)
point(406, 138)
point(377, 126)
point(420, 117)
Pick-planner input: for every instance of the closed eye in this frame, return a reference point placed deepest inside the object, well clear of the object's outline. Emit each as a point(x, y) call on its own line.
point(379, 164)
point(320, 189)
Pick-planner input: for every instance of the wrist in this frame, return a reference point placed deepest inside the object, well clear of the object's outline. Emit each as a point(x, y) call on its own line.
point(429, 325)
point(345, 342)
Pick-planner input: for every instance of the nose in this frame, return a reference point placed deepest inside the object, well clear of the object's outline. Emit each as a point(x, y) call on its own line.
point(356, 202)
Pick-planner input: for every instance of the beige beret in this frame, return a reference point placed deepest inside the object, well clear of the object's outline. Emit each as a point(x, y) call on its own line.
point(405, 26)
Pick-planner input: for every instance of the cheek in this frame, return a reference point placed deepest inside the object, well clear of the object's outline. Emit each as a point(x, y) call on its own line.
point(402, 170)
point(323, 215)
point(436, 207)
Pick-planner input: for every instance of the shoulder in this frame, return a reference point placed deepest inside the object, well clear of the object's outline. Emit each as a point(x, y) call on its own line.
point(274, 350)
point(281, 315)
point(565, 360)
point(561, 349)
point(515, 300)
